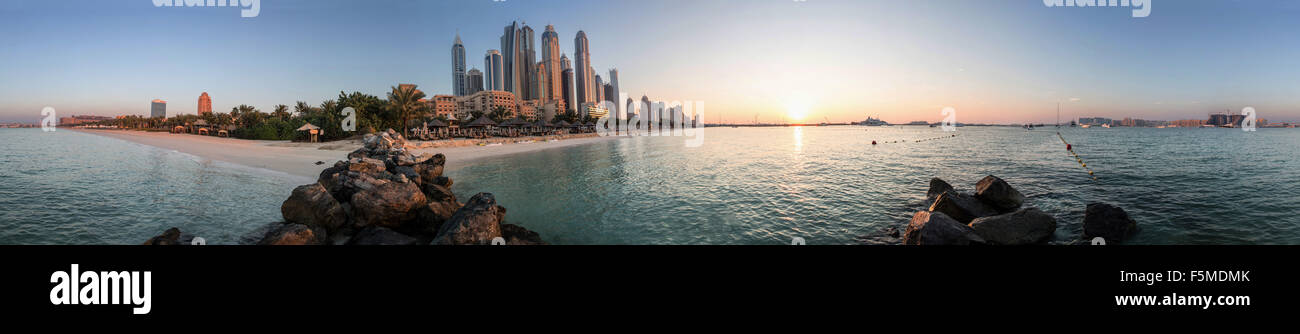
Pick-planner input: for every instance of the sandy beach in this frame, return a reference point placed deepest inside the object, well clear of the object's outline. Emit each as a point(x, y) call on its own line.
point(300, 158)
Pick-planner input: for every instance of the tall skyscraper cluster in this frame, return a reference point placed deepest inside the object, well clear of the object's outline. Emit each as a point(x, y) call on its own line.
point(553, 79)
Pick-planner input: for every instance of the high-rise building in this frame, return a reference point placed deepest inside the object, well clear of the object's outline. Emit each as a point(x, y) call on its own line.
point(458, 67)
point(609, 94)
point(582, 71)
point(613, 82)
point(158, 109)
point(550, 65)
point(540, 90)
point(494, 78)
point(600, 90)
point(205, 104)
point(473, 81)
point(566, 80)
point(526, 63)
point(510, 50)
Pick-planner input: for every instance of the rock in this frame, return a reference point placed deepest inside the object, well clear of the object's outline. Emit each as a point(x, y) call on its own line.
point(998, 193)
point(292, 235)
point(937, 187)
point(1107, 221)
point(961, 207)
point(887, 236)
point(389, 205)
point(936, 228)
point(314, 206)
point(442, 205)
point(375, 236)
point(427, 172)
point(420, 159)
point(359, 153)
point(409, 173)
point(518, 235)
point(169, 237)
point(1022, 227)
point(366, 165)
point(441, 180)
point(477, 223)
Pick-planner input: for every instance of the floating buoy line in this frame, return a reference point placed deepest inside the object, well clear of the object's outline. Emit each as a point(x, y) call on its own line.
point(873, 142)
point(1070, 148)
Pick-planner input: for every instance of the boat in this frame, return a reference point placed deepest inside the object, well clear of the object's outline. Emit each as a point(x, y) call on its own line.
point(1085, 126)
point(1105, 126)
point(871, 121)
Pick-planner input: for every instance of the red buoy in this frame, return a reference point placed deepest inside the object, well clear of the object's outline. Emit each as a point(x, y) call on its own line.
point(1069, 147)
point(873, 142)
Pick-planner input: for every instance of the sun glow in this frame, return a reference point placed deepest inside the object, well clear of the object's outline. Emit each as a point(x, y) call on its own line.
point(797, 109)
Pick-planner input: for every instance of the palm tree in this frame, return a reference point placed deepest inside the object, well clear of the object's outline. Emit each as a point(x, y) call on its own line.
point(405, 100)
point(302, 108)
point(499, 114)
point(281, 112)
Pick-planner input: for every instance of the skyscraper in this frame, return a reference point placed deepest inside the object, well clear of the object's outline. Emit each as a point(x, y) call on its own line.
point(473, 81)
point(205, 104)
point(158, 109)
point(600, 89)
point(582, 72)
point(551, 65)
point(509, 50)
point(566, 82)
point(458, 67)
point(526, 63)
point(613, 83)
point(494, 78)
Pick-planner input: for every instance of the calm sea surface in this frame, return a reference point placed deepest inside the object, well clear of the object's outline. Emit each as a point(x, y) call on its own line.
point(828, 185)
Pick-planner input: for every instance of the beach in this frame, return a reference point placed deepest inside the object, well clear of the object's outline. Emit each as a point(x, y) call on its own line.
point(300, 158)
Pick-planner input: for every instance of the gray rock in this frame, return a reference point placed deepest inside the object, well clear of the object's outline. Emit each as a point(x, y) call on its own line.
point(937, 187)
point(1022, 227)
point(936, 228)
point(998, 193)
point(169, 237)
point(314, 206)
point(516, 235)
point(390, 204)
point(961, 207)
point(366, 165)
point(1107, 221)
point(380, 236)
point(477, 223)
point(292, 235)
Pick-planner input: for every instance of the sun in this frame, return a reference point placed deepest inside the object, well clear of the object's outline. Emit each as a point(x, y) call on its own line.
point(797, 110)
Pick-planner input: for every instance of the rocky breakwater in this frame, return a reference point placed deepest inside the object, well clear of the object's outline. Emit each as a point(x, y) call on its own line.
point(384, 195)
point(996, 215)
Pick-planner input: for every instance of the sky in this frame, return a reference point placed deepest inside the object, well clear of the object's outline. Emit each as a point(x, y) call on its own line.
point(993, 61)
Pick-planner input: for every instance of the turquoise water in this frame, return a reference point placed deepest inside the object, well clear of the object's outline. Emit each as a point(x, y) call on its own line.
point(827, 185)
point(67, 187)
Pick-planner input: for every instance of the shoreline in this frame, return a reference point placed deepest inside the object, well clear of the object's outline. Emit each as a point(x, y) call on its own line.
point(299, 159)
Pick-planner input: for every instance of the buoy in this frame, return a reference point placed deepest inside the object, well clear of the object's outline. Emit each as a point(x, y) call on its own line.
point(1068, 147)
point(873, 142)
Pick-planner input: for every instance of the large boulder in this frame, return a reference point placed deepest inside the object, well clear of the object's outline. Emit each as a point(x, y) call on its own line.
point(1107, 221)
point(998, 193)
point(937, 187)
point(170, 237)
point(390, 204)
point(367, 165)
point(1022, 227)
point(936, 228)
point(290, 234)
point(377, 236)
point(314, 206)
point(477, 223)
point(518, 235)
point(961, 207)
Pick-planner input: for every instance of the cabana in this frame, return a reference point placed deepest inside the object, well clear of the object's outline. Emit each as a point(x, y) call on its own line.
point(201, 128)
point(223, 133)
point(540, 127)
point(440, 130)
point(481, 127)
point(513, 127)
point(178, 129)
point(313, 132)
point(563, 127)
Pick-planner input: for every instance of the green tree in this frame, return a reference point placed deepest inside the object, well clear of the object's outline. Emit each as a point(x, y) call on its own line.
point(281, 112)
point(405, 101)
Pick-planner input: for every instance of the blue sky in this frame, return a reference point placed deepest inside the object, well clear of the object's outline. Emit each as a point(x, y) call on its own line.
point(841, 60)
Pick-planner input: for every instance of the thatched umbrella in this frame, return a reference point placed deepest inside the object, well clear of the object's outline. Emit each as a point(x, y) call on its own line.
point(312, 131)
point(483, 124)
point(440, 127)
